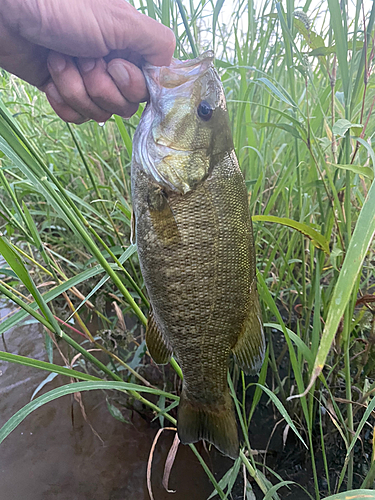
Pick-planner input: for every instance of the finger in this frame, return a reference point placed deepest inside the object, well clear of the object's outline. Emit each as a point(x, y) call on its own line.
point(71, 88)
point(154, 41)
point(90, 28)
point(127, 28)
point(64, 111)
point(103, 90)
point(129, 79)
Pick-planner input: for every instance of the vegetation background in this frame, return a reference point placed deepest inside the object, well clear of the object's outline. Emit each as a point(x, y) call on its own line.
point(301, 93)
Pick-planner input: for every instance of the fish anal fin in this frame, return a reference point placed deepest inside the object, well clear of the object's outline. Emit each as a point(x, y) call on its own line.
point(156, 345)
point(213, 423)
point(250, 346)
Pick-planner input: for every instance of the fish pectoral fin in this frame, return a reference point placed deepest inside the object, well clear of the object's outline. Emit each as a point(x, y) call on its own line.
point(250, 347)
point(163, 219)
point(159, 350)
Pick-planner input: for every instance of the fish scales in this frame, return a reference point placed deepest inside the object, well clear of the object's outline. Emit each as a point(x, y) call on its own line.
point(195, 246)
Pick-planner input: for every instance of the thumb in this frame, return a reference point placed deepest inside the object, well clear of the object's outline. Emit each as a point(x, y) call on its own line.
point(150, 39)
point(123, 29)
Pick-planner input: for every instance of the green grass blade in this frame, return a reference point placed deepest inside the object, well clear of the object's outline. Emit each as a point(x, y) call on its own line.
point(187, 28)
point(19, 268)
point(166, 12)
point(356, 169)
point(282, 411)
point(316, 238)
point(341, 45)
point(270, 493)
point(58, 290)
point(26, 308)
point(125, 135)
point(258, 390)
point(43, 365)
point(151, 9)
point(13, 320)
point(361, 424)
point(20, 416)
point(352, 265)
point(353, 495)
point(302, 347)
point(228, 479)
point(215, 15)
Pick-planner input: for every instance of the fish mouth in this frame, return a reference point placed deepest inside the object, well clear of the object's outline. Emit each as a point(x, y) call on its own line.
point(178, 73)
point(166, 147)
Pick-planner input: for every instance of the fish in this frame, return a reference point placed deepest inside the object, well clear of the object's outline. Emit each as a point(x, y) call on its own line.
point(195, 244)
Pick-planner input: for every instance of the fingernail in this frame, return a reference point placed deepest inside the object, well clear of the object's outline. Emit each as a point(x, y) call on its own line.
point(57, 62)
point(87, 65)
point(120, 74)
point(53, 93)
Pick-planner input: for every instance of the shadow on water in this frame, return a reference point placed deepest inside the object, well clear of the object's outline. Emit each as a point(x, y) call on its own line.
point(54, 454)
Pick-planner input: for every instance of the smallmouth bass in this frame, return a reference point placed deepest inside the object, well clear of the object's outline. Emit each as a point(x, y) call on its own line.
point(195, 245)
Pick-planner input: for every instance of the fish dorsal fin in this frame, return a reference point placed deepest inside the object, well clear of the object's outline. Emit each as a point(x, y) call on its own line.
point(250, 347)
point(159, 350)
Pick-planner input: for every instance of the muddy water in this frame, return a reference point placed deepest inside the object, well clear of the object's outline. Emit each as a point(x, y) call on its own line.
point(54, 454)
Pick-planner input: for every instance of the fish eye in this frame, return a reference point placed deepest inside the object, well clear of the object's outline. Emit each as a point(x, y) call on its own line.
point(204, 111)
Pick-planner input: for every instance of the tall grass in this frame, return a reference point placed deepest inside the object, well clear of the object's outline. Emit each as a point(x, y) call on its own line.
point(300, 90)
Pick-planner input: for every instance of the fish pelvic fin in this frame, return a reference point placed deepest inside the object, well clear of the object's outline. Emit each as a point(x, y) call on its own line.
point(159, 350)
point(250, 347)
point(213, 423)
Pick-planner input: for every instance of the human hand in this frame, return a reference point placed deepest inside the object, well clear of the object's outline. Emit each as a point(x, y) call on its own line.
point(84, 54)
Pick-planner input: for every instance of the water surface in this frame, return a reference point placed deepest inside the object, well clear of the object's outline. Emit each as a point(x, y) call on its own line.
point(55, 455)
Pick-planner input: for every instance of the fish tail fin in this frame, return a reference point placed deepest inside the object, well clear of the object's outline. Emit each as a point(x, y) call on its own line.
point(213, 423)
